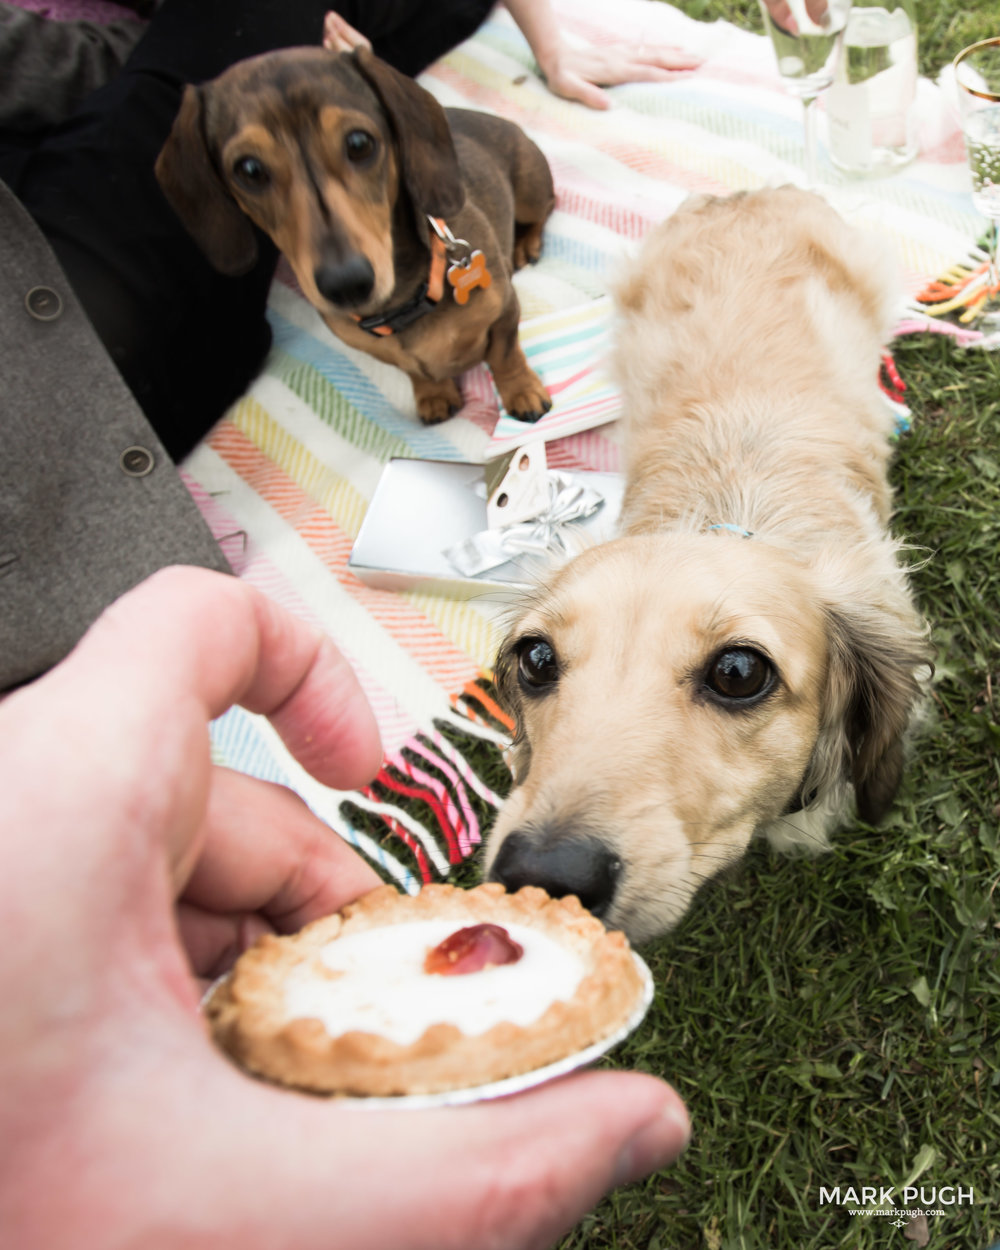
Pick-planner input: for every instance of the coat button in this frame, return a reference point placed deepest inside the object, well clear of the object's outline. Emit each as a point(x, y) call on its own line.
point(43, 303)
point(136, 461)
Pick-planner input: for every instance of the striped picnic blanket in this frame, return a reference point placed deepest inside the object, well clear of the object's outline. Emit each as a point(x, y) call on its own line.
point(285, 479)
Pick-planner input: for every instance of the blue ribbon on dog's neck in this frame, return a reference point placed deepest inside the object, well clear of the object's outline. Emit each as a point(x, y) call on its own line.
point(542, 537)
point(733, 529)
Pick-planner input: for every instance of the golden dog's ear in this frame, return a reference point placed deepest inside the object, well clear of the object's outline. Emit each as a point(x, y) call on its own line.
point(198, 195)
point(511, 700)
point(877, 658)
point(423, 137)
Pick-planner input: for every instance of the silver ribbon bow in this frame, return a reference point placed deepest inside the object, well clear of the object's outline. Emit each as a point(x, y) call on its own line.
point(542, 537)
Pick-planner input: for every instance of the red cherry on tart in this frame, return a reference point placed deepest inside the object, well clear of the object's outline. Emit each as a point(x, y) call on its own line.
point(472, 949)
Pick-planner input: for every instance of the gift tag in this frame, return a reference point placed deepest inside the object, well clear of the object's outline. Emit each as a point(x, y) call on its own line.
point(467, 276)
point(516, 486)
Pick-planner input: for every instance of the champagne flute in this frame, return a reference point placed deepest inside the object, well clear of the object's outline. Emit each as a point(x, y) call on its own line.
point(977, 75)
point(807, 36)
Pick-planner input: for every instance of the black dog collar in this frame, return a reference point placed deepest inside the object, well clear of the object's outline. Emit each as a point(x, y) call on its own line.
point(466, 270)
point(425, 299)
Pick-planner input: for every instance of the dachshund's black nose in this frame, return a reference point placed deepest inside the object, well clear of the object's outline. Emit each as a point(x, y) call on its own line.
point(346, 283)
point(570, 864)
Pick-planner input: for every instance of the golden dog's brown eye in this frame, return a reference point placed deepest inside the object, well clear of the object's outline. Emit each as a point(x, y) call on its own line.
point(359, 146)
point(739, 675)
point(537, 665)
point(251, 173)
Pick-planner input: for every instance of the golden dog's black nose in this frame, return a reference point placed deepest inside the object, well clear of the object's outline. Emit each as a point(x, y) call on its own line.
point(563, 864)
point(345, 283)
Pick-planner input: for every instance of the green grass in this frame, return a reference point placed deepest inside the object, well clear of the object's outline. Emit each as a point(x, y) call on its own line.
point(837, 1021)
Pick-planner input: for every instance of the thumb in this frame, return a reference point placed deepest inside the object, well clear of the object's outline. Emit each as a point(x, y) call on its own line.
point(513, 1174)
point(573, 87)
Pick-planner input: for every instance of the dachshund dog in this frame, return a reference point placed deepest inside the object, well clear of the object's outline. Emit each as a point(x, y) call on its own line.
point(402, 221)
point(745, 656)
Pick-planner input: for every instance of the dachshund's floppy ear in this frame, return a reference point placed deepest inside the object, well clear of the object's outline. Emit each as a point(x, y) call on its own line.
point(197, 194)
point(423, 138)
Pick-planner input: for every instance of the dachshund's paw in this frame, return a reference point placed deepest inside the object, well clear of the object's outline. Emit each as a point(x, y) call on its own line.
point(526, 399)
point(528, 247)
point(436, 401)
point(433, 412)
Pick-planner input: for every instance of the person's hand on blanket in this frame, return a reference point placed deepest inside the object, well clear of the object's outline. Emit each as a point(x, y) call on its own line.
point(578, 72)
point(120, 1124)
point(575, 72)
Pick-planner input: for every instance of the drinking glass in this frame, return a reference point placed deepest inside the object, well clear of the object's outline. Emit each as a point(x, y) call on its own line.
point(807, 36)
point(977, 75)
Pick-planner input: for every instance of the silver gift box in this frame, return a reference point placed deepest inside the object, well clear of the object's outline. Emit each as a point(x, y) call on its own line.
point(421, 508)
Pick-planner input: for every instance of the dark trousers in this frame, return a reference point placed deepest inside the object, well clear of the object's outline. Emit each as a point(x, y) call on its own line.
point(186, 339)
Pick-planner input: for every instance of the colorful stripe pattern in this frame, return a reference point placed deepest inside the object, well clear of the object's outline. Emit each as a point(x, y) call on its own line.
point(569, 350)
point(285, 478)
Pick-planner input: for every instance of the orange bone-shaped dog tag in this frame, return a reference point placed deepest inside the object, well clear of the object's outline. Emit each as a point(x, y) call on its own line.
point(465, 278)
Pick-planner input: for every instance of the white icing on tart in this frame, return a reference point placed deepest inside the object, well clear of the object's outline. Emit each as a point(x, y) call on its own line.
point(380, 986)
point(347, 1007)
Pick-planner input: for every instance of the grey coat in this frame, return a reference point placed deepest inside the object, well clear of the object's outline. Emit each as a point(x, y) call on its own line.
point(90, 503)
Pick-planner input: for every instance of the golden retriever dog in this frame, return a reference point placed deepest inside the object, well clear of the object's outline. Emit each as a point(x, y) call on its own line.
point(746, 655)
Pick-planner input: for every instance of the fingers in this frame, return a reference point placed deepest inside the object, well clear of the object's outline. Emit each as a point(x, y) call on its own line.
point(580, 72)
point(326, 721)
point(672, 60)
point(548, 1157)
point(214, 942)
point(340, 36)
point(513, 1174)
point(637, 71)
point(187, 639)
point(143, 684)
point(262, 852)
point(783, 17)
point(573, 87)
point(817, 10)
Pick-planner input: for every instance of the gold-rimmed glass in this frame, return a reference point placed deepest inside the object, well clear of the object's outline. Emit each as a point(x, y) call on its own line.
point(977, 79)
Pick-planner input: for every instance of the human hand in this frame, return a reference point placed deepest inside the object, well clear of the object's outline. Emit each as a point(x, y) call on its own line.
point(578, 73)
point(783, 16)
point(120, 1124)
point(340, 36)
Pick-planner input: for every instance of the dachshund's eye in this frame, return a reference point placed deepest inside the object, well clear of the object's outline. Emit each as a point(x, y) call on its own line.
point(251, 173)
point(359, 146)
point(537, 665)
point(739, 675)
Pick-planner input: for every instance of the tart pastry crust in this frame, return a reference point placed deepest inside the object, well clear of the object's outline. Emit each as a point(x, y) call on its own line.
point(250, 1020)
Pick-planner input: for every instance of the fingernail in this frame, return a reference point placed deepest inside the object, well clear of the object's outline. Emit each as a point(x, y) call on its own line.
point(657, 1144)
